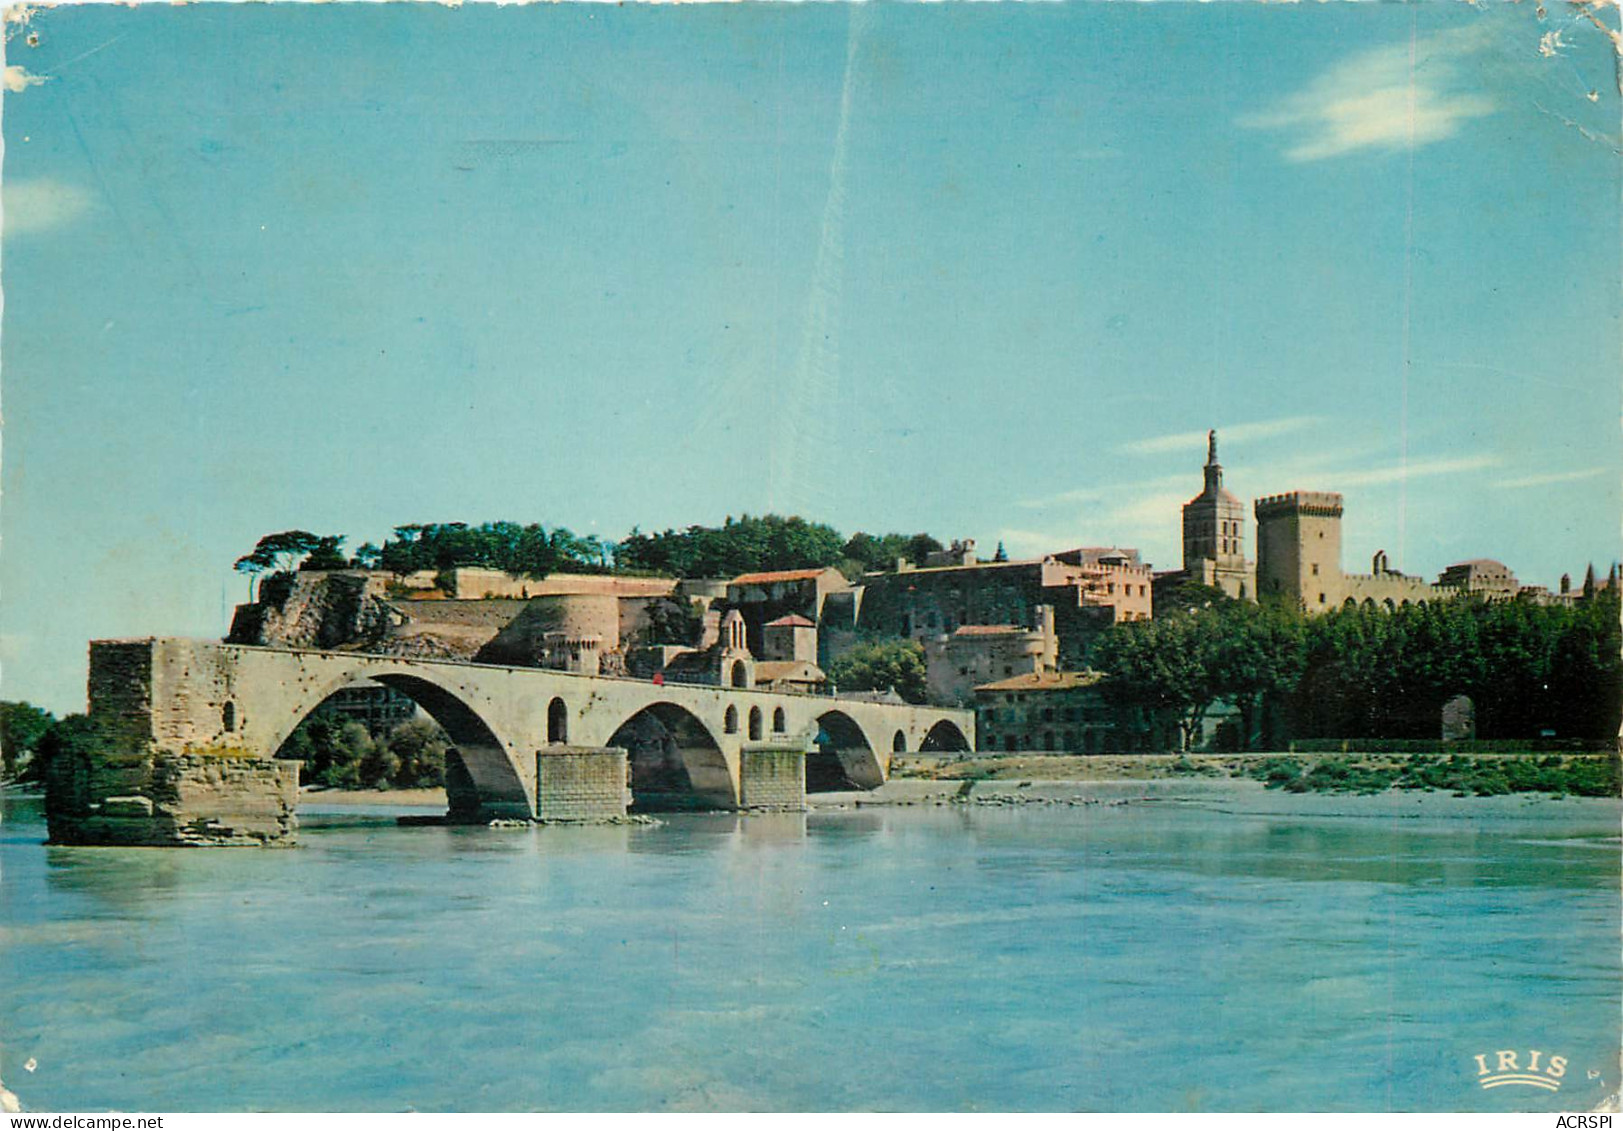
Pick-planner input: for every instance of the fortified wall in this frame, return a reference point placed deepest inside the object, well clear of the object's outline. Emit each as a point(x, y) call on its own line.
point(1299, 556)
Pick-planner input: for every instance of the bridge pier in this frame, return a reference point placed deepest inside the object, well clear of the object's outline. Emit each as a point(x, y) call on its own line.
point(772, 777)
point(581, 783)
point(143, 779)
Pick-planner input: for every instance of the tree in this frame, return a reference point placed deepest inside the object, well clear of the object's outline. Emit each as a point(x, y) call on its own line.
point(1187, 596)
point(22, 726)
point(1259, 655)
point(743, 545)
point(327, 553)
point(878, 553)
point(880, 665)
point(921, 546)
point(674, 621)
point(1165, 666)
point(377, 764)
point(418, 748)
point(278, 552)
point(333, 750)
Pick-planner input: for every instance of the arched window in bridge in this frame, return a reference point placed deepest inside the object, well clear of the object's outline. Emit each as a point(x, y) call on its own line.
point(730, 725)
point(779, 723)
point(898, 744)
point(228, 717)
point(755, 724)
point(557, 721)
point(740, 676)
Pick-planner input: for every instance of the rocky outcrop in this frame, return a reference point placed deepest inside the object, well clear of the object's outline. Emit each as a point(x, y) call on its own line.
point(315, 610)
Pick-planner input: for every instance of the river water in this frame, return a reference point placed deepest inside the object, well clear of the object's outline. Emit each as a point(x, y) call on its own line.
point(1215, 948)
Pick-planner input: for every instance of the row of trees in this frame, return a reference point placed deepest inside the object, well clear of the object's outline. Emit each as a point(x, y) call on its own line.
point(1365, 673)
point(531, 550)
point(769, 542)
point(744, 545)
point(342, 754)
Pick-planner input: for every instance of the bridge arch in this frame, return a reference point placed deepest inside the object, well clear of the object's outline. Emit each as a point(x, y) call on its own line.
point(481, 778)
point(945, 737)
point(842, 757)
point(674, 760)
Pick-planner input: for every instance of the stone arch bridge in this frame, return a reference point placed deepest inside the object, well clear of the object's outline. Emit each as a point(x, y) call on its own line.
point(687, 745)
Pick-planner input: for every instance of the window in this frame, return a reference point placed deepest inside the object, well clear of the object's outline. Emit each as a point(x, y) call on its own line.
point(1315, 569)
point(779, 725)
point(228, 717)
point(730, 721)
point(557, 721)
point(755, 724)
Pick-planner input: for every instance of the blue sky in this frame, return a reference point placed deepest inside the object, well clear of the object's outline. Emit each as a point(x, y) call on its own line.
point(985, 270)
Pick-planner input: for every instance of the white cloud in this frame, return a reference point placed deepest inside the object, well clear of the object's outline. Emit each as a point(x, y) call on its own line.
point(18, 79)
point(1406, 95)
point(39, 204)
point(1402, 472)
point(1239, 433)
point(1549, 478)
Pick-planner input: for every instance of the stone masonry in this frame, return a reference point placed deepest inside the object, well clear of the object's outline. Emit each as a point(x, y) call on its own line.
point(580, 783)
point(773, 777)
point(142, 786)
point(157, 798)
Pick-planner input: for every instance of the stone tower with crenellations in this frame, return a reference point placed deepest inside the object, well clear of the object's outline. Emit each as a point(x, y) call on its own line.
point(1299, 547)
point(1214, 534)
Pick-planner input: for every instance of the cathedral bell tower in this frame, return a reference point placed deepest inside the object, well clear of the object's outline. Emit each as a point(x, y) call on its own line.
point(1214, 534)
point(1213, 521)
